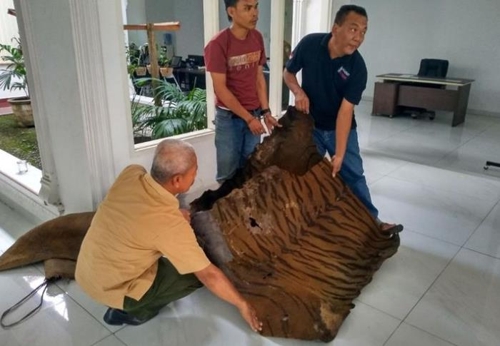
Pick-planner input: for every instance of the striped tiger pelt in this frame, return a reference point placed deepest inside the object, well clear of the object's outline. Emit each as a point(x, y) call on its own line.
point(299, 247)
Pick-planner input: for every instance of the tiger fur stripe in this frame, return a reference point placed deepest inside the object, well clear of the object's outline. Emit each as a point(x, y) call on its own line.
point(301, 245)
point(300, 257)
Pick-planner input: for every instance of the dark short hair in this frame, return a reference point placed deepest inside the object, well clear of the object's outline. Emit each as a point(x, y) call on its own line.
point(345, 10)
point(230, 3)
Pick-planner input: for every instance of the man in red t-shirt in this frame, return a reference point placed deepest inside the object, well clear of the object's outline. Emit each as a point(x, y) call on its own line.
point(235, 58)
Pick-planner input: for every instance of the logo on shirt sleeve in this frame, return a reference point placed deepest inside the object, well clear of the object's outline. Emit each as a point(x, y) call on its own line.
point(343, 73)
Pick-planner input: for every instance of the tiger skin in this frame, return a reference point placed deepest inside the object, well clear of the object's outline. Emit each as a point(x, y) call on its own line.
point(295, 241)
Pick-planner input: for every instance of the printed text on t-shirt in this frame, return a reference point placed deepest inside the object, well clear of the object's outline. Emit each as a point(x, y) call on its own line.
point(245, 61)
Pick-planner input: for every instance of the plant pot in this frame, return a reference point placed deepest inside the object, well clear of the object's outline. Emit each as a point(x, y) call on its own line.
point(166, 71)
point(140, 71)
point(23, 113)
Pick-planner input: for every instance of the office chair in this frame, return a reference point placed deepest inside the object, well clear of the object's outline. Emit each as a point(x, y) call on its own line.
point(492, 164)
point(431, 68)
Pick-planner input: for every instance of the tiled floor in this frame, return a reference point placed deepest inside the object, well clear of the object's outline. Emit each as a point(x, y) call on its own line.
point(441, 288)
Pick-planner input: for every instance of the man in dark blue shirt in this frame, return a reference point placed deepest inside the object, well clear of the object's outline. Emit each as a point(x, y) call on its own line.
point(333, 79)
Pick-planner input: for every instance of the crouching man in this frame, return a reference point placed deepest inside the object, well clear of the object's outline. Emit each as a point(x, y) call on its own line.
point(140, 252)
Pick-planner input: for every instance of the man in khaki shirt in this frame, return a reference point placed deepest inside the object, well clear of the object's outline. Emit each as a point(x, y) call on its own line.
point(140, 252)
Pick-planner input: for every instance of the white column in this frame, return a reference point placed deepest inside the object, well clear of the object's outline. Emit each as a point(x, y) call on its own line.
point(298, 31)
point(326, 19)
point(77, 75)
point(298, 21)
point(211, 27)
point(276, 55)
point(49, 192)
point(317, 16)
point(310, 16)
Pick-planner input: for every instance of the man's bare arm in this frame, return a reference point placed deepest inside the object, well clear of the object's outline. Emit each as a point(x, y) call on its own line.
point(269, 120)
point(231, 102)
point(301, 99)
point(217, 282)
point(343, 128)
point(262, 88)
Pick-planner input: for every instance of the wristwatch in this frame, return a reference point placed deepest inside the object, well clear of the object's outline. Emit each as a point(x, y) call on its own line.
point(265, 111)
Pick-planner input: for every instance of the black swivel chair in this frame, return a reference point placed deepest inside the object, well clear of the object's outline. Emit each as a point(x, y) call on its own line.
point(430, 68)
point(433, 68)
point(491, 164)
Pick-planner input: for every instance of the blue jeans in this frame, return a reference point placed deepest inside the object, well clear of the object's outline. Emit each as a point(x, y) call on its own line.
point(234, 142)
point(352, 166)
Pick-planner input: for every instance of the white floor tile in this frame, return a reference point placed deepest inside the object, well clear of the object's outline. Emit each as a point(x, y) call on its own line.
point(378, 163)
point(110, 341)
point(445, 215)
point(410, 336)
point(486, 239)
point(463, 306)
point(472, 156)
point(449, 181)
point(365, 326)
point(91, 306)
point(372, 129)
point(17, 283)
point(412, 147)
point(372, 178)
point(201, 319)
point(404, 278)
point(63, 324)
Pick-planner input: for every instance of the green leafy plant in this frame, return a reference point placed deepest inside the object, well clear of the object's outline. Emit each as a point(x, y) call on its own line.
point(14, 76)
point(180, 112)
point(163, 60)
point(132, 54)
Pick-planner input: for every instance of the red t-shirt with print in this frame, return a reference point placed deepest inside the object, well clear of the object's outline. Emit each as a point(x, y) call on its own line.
point(239, 61)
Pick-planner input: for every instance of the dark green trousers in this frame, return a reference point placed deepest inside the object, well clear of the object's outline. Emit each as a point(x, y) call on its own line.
point(168, 286)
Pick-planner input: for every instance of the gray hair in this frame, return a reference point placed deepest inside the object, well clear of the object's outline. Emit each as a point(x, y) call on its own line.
point(172, 157)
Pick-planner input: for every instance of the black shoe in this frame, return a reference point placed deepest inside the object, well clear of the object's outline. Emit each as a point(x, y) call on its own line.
point(118, 317)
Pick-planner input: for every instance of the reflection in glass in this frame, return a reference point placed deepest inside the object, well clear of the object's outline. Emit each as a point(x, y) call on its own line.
point(179, 104)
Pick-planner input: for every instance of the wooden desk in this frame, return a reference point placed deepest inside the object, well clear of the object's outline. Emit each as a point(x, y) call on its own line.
point(395, 90)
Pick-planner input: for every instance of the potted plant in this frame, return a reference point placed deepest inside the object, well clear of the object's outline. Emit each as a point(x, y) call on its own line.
point(180, 112)
point(164, 63)
point(14, 78)
point(132, 53)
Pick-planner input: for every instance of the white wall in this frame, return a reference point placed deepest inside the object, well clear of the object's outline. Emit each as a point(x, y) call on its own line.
point(8, 30)
point(8, 24)
point(401, 32)
point(7, 94)
point(189, 39)
point(136, 14)
point(264, 23)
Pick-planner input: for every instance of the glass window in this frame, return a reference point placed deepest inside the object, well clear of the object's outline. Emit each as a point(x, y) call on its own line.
point(174, 101)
